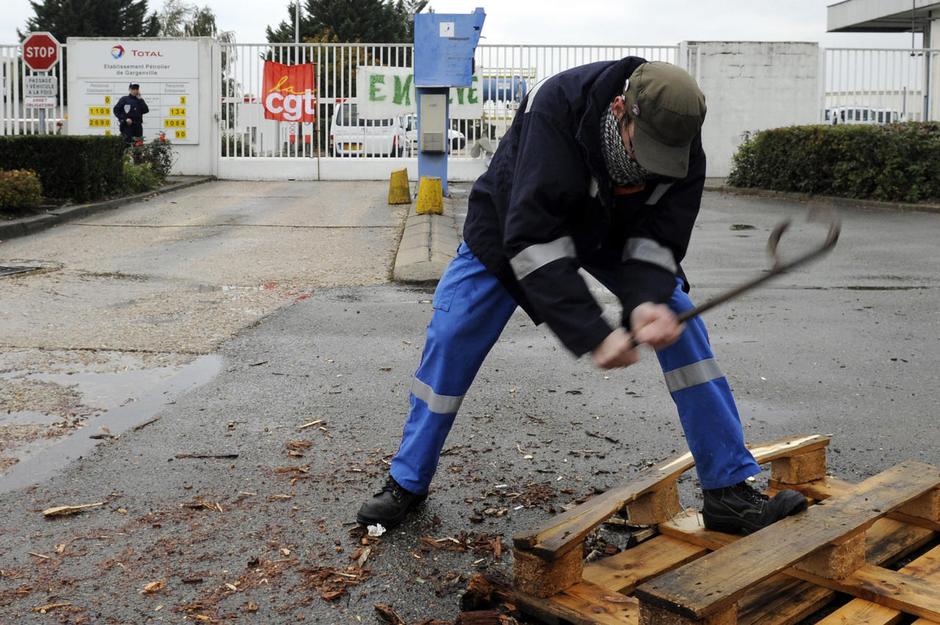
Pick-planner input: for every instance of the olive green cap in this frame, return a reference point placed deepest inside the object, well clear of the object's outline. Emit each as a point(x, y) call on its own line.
point(668, 110)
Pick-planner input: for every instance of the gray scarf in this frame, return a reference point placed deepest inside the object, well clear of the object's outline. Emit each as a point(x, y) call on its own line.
point(623, 170)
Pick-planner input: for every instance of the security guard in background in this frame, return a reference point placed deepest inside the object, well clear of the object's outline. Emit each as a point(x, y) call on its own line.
point(130, 111)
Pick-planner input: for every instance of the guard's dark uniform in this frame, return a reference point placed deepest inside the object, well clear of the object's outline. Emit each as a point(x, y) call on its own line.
point(544, 209)
point(133, 108)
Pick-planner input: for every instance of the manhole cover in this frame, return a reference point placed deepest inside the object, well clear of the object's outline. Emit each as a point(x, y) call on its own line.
point(9, 271)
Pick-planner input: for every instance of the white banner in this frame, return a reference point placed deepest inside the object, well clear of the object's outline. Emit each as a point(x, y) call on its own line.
point(387, 91)
point(167, 71)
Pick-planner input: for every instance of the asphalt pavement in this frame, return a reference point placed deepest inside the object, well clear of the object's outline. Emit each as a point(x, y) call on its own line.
point(237, 503)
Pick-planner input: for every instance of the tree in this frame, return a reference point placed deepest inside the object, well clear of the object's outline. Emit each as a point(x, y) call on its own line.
point(350, 21)
point(179, 19)
point(91, 18)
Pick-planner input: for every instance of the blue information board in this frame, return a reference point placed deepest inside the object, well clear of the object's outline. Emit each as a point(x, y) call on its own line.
point(444, 47)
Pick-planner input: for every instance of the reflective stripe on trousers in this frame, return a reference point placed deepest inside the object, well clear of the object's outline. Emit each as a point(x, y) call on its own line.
point(705, 403)
point(471, 308)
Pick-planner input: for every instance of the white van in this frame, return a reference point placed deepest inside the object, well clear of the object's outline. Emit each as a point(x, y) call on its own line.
point(352, 135)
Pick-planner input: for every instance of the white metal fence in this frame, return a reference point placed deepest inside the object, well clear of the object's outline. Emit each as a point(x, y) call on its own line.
point(858, 86)
point(17, 118)
point(869, 86)
point(504, 73)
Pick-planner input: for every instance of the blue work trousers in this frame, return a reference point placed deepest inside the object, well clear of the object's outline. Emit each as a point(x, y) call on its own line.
point(471, 308)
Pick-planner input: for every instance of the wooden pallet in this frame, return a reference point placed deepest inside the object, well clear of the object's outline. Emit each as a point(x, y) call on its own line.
point(777, 576)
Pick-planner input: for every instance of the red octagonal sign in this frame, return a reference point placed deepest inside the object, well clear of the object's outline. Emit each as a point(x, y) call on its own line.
point(40, 51)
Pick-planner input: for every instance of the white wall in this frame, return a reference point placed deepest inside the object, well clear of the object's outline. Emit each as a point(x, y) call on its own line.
point(753, 86)
point(202, 159)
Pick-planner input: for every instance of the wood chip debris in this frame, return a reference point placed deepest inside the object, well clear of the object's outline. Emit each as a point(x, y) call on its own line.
point(301, 445)
point(69, 510)
point(42, 609)
point(310, 424)
point(464, 542)
point(361, 555)
point(388, 615)
point(303, 470)
point(332, 583)
point(207, 456)
point(153, 587)
point(201, 504)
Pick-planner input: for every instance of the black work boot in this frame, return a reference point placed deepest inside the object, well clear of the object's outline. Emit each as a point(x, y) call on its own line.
point(389, 506)
point(740, 509)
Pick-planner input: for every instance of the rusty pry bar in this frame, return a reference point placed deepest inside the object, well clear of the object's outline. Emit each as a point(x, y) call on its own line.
point(779, 266)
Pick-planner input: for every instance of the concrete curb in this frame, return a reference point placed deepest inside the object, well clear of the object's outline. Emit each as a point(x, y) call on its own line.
point(824, 200)
point(36, 223)
point(427, 245)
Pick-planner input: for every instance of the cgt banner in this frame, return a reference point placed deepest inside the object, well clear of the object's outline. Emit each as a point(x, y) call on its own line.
point(289, 92)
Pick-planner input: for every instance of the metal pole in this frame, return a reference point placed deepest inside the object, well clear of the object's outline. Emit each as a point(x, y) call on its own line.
point(297, 22)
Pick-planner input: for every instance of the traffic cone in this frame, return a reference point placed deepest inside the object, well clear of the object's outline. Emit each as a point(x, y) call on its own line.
point(430, 196)
point(399, 191)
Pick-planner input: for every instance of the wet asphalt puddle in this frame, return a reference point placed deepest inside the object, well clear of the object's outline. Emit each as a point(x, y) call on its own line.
point(58, 404)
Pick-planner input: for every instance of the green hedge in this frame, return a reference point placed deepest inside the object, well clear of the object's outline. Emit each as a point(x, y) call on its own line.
point(77, 168)
point(897, 162)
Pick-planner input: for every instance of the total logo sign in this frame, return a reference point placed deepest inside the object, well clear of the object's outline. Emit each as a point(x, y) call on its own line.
point(118, 51)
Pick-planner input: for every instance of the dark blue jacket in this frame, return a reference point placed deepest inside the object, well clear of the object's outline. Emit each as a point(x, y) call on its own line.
point(546, 207)
point(137, 108)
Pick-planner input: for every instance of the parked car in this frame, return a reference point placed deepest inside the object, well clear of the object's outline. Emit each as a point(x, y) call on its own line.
point(861, 115)
point(352, 135)
point(457, 139)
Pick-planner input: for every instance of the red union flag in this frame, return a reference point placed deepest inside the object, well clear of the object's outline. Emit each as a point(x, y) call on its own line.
point(289, 94)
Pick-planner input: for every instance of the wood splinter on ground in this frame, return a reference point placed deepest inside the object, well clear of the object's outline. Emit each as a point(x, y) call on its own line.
point(69, 510)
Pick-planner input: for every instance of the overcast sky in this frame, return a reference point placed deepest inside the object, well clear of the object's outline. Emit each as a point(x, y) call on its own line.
point(624, 22)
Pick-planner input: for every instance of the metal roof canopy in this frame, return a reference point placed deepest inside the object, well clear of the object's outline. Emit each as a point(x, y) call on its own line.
point(881, 16)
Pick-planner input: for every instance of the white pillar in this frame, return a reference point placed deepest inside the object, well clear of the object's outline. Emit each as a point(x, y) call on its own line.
point(932, 41)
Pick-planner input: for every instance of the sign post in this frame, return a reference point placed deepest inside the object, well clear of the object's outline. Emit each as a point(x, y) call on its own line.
point(40, 54)
point(443, 58)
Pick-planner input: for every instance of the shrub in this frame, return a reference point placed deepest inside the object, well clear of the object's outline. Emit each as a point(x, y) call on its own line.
point(77, 168)
point(139, 178)
point(896, 162)
point(20, 190)
point(158, 154)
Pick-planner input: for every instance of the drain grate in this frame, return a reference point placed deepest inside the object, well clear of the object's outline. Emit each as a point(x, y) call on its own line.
point(9, 271)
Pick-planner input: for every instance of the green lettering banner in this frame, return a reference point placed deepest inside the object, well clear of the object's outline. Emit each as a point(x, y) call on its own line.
point(388, 91)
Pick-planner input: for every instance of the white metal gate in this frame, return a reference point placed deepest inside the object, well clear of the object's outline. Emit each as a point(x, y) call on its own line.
point(505, 74)
point(17, 118)
point(879, 86)
point(858, 86)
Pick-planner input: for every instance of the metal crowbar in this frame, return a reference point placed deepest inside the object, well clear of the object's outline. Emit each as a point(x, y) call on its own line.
point(779, 267)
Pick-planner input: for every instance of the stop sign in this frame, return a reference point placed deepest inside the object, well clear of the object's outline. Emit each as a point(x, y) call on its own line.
point(40, 51)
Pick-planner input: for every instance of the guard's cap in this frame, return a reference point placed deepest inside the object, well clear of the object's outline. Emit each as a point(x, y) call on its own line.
point(668, 109)
point(133, 85)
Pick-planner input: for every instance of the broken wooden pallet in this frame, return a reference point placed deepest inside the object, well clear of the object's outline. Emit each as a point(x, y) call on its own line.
point(777, 576)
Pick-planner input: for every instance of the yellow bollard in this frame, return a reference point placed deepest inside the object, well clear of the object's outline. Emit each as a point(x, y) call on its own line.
point(430, 196)
point(399, 191)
